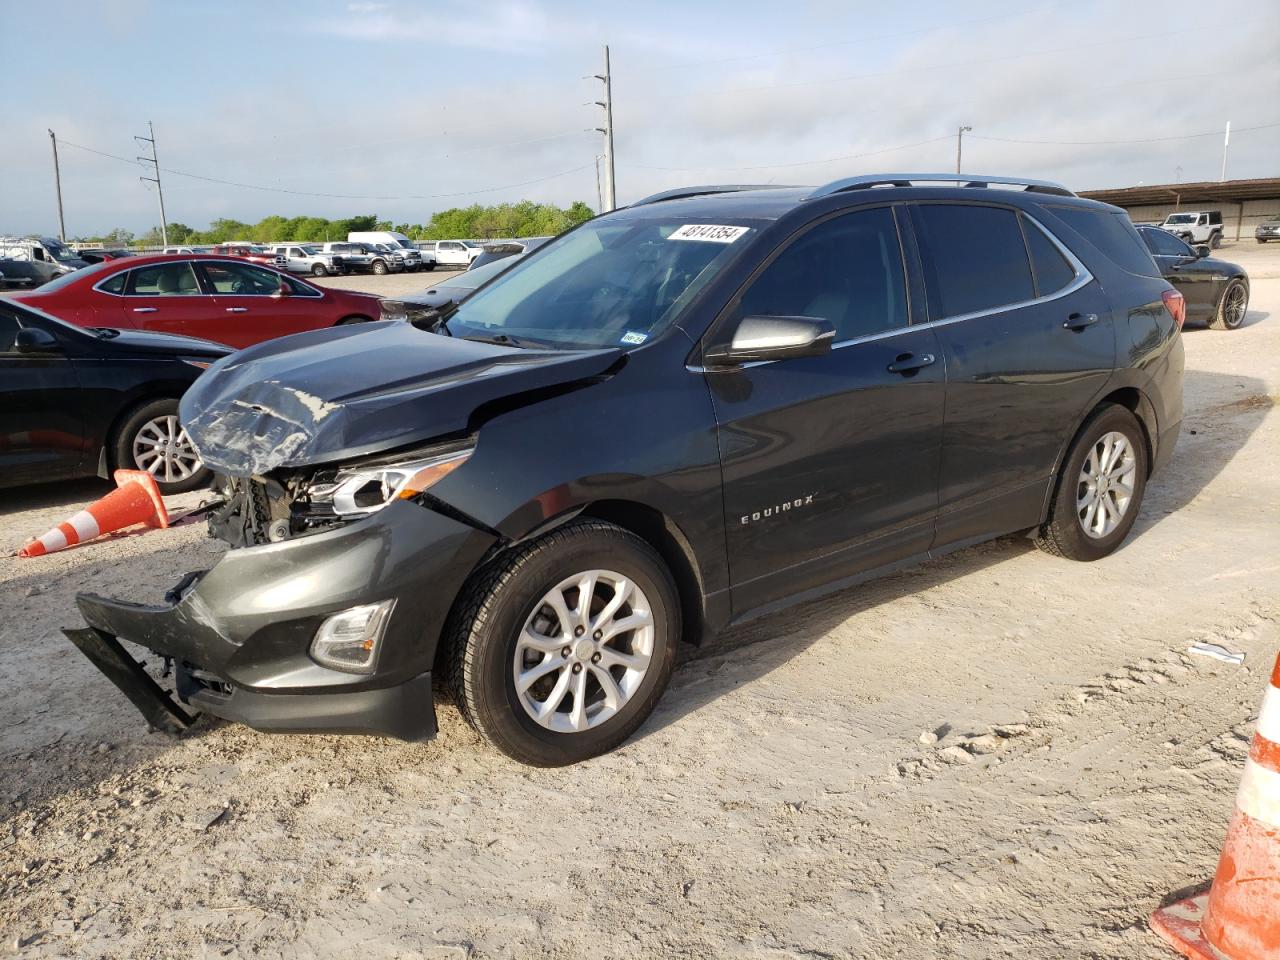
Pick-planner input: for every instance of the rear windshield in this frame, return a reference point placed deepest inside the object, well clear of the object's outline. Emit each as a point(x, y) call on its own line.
point(1113, 234)
point(57, 283)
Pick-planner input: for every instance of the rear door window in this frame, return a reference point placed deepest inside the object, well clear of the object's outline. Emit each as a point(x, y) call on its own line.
point(847, 270)
point(977, 260)
point(1052, 270)
point(164, 280)
point(1113, 234)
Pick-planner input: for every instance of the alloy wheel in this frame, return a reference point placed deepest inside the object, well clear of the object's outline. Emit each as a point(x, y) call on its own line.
point(162, 448)
point(1106, 484)
point(584, 651)
point(1234, 304)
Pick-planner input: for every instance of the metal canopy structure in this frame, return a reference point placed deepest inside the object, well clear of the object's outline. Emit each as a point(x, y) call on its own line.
point(1209, 191)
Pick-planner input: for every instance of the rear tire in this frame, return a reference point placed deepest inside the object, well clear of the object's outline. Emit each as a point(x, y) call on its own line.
point(1099, 478)
point(1215, 241)
point(150, 439)
point(1232, 306)
point(506, 616)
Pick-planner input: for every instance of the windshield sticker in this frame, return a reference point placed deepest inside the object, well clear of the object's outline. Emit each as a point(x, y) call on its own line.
point(709, 232)
point(632, 337)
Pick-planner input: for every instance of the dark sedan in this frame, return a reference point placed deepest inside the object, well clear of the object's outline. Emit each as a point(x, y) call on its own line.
point(436, 298)
point(1216, 291)
point(76, 402)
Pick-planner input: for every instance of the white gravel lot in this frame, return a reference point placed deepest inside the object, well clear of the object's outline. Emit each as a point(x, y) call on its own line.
point(781, 803)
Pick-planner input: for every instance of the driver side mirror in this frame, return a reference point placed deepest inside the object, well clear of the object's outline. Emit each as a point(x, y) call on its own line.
point(1202, 251)
point(773, 338)
point(36, 341)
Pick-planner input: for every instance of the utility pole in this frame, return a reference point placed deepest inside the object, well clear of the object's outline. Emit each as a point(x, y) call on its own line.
point(155, 162)
point(599, 195)
point(1226, 142)
point(1177, 174)
point(960, 132)
point(57, 182)
point(610, 183)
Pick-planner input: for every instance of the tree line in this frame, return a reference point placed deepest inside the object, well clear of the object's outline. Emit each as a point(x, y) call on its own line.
point(476, 222)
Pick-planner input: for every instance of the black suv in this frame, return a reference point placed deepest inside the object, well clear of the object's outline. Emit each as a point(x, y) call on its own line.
point(680, 415)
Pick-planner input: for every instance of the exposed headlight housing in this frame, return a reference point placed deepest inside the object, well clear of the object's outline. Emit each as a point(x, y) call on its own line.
point(365, 489)
point(393, 310)
point(349, 640)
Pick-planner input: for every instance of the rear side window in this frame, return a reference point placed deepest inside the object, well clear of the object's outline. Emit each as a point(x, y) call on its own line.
point(114, 284)
point(1113, 234)
point(977, 258)
point(1051, 268)
point(847, 270)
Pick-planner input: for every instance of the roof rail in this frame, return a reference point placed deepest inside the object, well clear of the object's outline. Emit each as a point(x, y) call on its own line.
point(680, 193)
point(867, 181)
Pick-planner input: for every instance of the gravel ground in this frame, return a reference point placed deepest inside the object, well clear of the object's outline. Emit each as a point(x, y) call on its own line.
point(999, 754)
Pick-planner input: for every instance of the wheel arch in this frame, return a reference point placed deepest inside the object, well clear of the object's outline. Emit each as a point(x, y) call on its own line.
point(1134, 400)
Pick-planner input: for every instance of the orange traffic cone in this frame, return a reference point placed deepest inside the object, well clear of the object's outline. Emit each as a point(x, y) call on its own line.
point(1239, 918)
point(136, 499)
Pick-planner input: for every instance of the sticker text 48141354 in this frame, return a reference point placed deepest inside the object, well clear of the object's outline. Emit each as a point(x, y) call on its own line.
point(708, 232)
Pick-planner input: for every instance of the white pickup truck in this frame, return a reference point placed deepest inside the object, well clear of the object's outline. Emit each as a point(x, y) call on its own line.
point(1196, 226)
point(454, 254)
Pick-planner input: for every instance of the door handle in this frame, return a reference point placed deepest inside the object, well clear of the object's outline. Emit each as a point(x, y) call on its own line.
point(1078, 321)
point(144, 309)
point(237, 309)
point(908, 363)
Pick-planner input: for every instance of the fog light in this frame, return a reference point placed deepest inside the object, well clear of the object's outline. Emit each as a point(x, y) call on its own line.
point(348, 641)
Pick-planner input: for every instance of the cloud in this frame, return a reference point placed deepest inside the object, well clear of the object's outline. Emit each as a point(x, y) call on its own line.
point(366, 7)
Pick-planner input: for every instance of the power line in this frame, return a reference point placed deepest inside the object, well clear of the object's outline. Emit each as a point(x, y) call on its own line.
point(330, 196)
point(799, 163)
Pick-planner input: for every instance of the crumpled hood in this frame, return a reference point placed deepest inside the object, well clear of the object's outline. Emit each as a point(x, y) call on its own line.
point(348, 391)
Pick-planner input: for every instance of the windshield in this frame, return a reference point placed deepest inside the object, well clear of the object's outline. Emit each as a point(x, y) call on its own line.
point(617, 281)
point(58, 251)
point(1181, 218)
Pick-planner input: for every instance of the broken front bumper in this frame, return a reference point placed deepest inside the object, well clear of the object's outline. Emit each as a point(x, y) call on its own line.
point(240, 634)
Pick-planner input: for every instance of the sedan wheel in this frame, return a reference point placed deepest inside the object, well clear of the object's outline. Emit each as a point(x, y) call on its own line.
point(1232, 307)
point(162, 448)
point(151, 439)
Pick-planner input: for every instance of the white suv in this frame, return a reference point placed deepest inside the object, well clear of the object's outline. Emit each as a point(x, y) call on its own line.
point(1196, 226)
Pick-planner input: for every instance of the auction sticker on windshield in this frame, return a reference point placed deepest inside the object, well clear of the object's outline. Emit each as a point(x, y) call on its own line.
point(709, 232)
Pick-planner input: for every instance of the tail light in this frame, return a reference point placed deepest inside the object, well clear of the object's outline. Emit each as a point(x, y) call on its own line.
point(1176, 306)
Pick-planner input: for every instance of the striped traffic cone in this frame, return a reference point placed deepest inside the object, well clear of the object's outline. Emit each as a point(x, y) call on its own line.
point(136, 499)
point(1239, 918)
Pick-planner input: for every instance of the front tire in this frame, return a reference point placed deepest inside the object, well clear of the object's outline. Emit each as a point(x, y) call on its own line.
point(559, 652)
point(151, 439)
point(380, 268)
point(1232, 306)
point(319, 270)
point(1100, 487)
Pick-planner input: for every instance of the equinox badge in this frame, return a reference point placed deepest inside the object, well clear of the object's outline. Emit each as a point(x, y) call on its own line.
point(776, 509)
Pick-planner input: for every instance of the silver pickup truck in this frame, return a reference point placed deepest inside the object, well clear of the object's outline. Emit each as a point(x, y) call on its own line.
point(308, 258)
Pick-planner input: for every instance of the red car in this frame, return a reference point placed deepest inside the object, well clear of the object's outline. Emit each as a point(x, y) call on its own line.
point(216, 298)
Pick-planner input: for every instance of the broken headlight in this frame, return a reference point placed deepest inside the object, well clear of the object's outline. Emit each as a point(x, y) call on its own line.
point(366, 488)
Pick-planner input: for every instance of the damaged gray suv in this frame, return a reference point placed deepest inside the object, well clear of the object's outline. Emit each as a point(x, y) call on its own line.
point(680, 415)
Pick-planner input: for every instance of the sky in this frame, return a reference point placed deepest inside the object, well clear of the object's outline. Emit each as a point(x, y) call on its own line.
point(403, 107)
